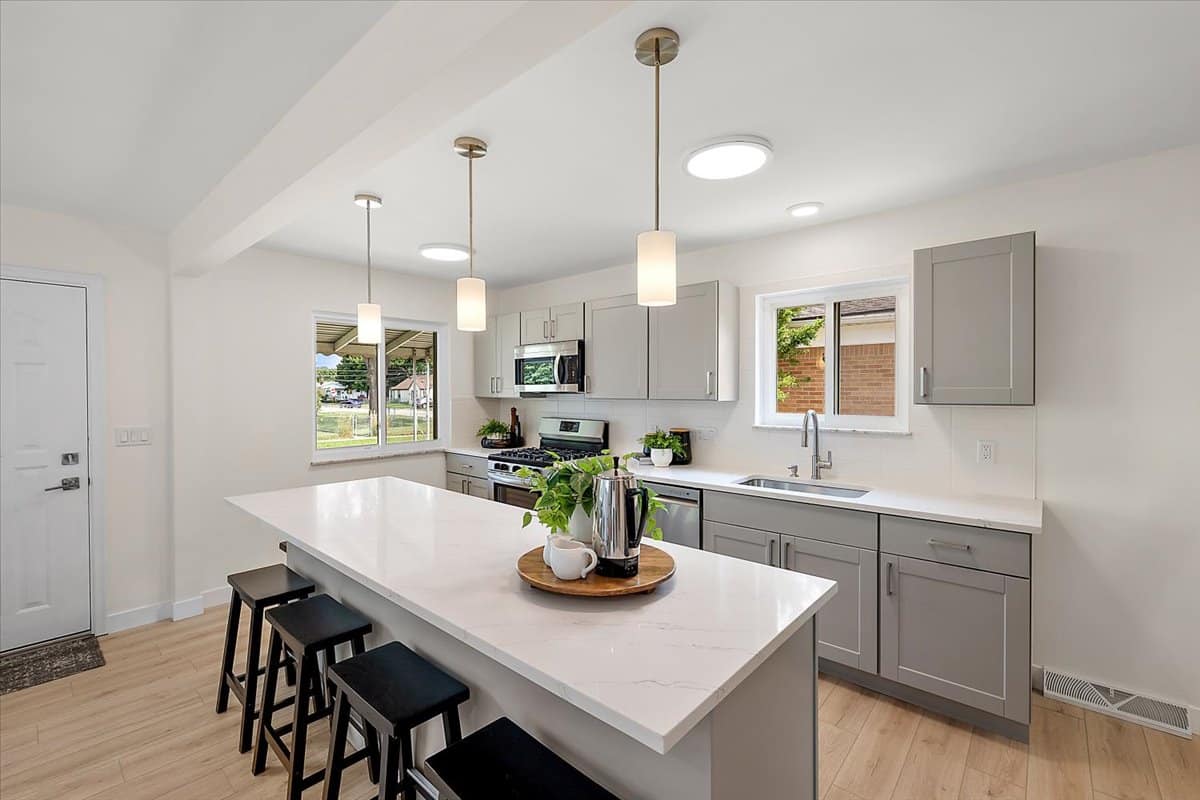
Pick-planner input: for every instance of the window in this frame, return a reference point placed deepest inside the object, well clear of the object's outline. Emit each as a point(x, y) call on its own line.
point(835, 350)
point(380, 399)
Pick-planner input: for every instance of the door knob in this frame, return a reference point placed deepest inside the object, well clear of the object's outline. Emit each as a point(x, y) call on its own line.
point(66, 485)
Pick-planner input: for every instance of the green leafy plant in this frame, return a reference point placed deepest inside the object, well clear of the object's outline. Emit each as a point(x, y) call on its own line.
point(493, 428)
point(788, 339)
point(567, 485)
point(661, 440)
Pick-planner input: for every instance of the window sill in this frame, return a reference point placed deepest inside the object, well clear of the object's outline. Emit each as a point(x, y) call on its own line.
point(349, 458)
point(862, 431)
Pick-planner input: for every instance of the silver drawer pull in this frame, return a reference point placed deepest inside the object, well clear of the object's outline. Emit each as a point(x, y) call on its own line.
point(966, 548)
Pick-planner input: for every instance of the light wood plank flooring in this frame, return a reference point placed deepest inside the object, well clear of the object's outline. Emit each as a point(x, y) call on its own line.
point(143, 727)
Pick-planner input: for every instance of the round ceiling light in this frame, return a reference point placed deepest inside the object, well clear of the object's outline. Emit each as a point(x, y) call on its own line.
point(729, 158)
point(442, 251)
point(805, 209)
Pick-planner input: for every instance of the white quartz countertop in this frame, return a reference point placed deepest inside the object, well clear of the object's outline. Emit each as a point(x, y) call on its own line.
point(651, 665)
point(476, 450)
point(985, 511)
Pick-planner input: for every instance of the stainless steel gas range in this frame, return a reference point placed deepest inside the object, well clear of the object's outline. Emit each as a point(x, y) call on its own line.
point(559, 438)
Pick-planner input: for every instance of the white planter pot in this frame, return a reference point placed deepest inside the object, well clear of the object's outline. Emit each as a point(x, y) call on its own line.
point(581, 526)
point(661, 456)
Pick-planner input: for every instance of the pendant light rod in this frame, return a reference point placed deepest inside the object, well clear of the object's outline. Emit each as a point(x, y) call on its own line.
point(654, 48)
point(471, 217)
point(368, 254)
point(657, 145)
point(369, 202)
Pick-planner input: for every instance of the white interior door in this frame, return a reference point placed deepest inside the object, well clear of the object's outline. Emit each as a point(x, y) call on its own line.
point(45, 557)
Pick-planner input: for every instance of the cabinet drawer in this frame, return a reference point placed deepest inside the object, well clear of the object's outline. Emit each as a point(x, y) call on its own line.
point(837, 525)
point(962, 545)
point(466, 465)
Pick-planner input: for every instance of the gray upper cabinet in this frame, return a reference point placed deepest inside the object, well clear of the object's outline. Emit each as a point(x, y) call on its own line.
point(959, 633)
point(616, 345)
point(747, 544)
point(693, 344)
point(494, 376)
point(561, 323)
point(847, 625)
point(973, 318)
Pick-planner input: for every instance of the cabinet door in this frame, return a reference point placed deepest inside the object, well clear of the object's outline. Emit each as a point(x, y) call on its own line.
point(959, 633)
point(683, 345)
point(508, 337)
point(456, 483)
point(847, 625)
point(615, 348)
point(485, 360)
point(973, 322)
point(566, 322)
point(477, 487)
point(744, 543)
point(535, 326)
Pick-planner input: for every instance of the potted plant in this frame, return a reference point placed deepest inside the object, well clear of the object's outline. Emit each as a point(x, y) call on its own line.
point(565, 500)
point(495, 433)
point(663, 446)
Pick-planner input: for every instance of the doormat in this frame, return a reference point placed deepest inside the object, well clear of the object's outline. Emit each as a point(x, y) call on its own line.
point(49, 662)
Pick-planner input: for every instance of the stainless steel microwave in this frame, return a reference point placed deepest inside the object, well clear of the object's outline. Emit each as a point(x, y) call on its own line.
point(550, 367)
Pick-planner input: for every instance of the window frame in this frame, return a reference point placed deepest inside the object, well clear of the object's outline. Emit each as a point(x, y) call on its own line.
point(766, 357)
point(441, 393)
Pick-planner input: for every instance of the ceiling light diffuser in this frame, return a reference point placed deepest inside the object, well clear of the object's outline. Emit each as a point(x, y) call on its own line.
point(444, 251)
point(805, 209)
point(729, 158)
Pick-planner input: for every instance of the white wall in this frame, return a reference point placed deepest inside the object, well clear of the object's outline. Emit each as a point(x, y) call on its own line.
point(1113, 445)
point(137, 352)
point(242, 378)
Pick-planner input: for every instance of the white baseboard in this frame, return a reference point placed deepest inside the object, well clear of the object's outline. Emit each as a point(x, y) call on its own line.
point(136, 617)
point(194, 606)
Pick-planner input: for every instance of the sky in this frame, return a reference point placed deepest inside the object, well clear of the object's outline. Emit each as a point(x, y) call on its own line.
point(328, 361)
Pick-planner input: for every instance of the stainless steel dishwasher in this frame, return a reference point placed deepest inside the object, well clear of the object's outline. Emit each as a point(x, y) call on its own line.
point(680, 520)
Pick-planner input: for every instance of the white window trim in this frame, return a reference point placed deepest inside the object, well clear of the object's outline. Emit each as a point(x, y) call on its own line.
point(441, 393)
point(766, 416)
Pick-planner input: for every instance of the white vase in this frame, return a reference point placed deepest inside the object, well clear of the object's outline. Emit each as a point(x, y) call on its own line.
point(581, 526)
point(661, 456)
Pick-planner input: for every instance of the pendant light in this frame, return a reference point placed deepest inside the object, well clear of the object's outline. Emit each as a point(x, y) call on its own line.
point(370, 315)
point(472, 291)
point(656, 248)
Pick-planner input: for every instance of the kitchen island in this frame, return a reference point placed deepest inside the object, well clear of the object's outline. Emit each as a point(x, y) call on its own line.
point(705, 688)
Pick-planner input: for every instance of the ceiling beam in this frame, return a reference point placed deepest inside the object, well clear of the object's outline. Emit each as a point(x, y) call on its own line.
point(421, 65)
point(401, 340)
point(346, 339)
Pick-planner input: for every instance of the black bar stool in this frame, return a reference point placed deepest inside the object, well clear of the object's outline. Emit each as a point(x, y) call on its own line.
point(502, 762)
point(259, 589)
point(394, 690)
point(305, 628)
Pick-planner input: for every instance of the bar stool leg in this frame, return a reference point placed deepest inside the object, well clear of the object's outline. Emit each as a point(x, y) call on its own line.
point(289, 670)
point(451, 726)
point(307, 677)
point(388, 789)
point(274, 656)
point(255, 645)
point(231, 632)
point(337, 748)
point(407, 785)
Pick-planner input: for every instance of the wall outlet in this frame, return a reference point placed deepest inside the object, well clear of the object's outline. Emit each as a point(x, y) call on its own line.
point(707, 433)
point(131, 437)
point(985, 451)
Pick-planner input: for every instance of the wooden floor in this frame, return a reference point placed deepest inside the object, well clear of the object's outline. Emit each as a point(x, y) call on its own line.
point(143, 726)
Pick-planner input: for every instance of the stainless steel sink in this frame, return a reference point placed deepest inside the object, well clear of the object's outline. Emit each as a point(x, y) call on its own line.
point(802, 488)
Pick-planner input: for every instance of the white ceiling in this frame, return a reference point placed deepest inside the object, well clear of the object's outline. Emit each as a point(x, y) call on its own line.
point(132, 111)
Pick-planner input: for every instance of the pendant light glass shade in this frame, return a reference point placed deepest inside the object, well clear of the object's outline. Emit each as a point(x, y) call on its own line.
point(656, 268)
point(370, 323)
point(472, 304)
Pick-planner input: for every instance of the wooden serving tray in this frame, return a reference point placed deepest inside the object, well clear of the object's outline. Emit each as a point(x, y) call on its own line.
point(654, 567)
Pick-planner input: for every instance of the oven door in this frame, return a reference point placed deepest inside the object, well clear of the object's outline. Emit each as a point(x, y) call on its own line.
point(512, 492)
point(554, 367)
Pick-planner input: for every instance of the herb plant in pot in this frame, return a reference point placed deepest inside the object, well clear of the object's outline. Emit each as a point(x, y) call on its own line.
point(663, 446)
point(495, 433)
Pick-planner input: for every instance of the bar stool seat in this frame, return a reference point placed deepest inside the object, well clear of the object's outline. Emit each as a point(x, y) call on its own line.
point(304, 628)
point(502, 762)
point(257, 589)
point(394, 690)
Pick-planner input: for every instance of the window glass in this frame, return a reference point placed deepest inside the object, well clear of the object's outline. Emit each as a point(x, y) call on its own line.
point(411, 379)
point(800, 362)
point(346, 395)
point(866, 337)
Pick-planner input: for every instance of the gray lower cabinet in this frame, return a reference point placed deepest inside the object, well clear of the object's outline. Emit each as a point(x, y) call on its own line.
point(744, 543)
point(973, 322)
point(958, 633)
point(846, 627)
point(466, 484)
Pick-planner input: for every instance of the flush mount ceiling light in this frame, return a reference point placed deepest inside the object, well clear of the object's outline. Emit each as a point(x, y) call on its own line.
point(728, 158)
point(656, 248)
point(444, 251)
point(805, 209)
point(472, 291)
point(370, 315)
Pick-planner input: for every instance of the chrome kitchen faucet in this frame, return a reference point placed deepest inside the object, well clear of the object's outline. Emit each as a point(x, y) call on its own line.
point(817, 463)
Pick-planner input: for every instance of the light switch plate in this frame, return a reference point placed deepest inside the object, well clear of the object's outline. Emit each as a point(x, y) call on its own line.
point(136, 436)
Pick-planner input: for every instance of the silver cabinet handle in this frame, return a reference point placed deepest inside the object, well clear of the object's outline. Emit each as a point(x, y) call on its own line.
point(545, 329)
point(924, 384)
point(890, 567)
point(553, 329)
point(786, 563)
point(771, 553)
point(65, 485)
point(708, 376)
point(587, 384)
point(966, 548)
